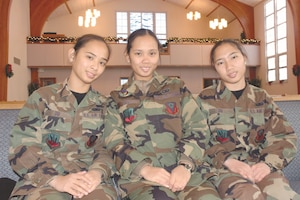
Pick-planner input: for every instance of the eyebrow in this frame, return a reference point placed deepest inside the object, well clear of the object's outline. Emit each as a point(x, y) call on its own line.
point(96, 56)
point(234, 52)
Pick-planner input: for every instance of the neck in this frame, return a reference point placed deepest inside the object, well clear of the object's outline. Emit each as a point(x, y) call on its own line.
point(236, 86)
point(77, 86)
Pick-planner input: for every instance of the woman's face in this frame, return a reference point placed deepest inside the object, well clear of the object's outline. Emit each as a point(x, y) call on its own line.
point(88, 63)
point(144, 57)
point(231, 66)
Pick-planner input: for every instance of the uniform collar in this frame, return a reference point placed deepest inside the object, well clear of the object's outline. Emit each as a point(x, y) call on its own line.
point(221, 91)
point(64, 92)
point(131, 89)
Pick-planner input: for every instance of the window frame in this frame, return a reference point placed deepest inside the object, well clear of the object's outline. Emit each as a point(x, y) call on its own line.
point(274, 52)
point(158, 24)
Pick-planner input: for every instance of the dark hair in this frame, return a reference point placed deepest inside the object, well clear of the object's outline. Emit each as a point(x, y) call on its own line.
point(232, 42)
point(81, 41)
point(138, 33)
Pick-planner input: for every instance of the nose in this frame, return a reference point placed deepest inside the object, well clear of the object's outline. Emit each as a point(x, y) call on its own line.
point(145, 58)
point(227, 64)
point(94, 65)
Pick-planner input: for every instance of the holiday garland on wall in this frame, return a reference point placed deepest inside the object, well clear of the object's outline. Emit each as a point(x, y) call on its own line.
point(296, 70)
point(34, 39)
point(8, 70)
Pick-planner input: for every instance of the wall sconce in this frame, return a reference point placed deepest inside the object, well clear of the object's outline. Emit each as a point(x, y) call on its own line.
point(90, 18)
point(193, 16)
point(213, 24)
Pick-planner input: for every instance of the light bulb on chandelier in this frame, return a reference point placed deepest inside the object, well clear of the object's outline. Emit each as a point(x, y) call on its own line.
point(193, 16)
point(213, 24)
point(90, 18)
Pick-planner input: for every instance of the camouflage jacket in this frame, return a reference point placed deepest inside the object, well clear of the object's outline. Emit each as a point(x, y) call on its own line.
point(251, 129)
point(160, 128)
point(53, 135)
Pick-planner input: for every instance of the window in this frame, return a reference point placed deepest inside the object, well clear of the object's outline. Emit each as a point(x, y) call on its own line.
point(127, 22)
point(276, 40)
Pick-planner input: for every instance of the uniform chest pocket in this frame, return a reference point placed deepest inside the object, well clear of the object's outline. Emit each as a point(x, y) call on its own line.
point(257, 116)
point(56, 121)
point(222, 124)
point(170, 103)
point(55, 128)
point(93, 122)
point(221, 117)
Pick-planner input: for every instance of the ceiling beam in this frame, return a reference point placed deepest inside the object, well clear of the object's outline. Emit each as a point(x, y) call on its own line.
point(68, 7)
point(187, 6)
point(213, 10)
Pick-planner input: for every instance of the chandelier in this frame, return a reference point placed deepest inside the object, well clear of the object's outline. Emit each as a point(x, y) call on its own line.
point(90, 18)
point(193, 16)
point(213, 24)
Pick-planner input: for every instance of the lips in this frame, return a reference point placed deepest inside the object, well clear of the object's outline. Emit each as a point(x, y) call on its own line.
point(232, 74)
point(90, 75)
point(145, 69)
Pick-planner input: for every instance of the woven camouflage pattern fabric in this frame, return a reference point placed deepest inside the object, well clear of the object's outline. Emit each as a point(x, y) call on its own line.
point(53, 135)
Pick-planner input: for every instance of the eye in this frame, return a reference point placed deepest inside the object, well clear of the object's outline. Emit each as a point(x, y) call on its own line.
point(234, 56)
point(219, 62)
point(90, 57)
point(103, 63)
point(138, 53)
point(153, 53)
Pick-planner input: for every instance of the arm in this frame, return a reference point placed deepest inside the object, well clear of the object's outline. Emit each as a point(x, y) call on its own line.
point(127, 159)
point(25, 155)
point(102, 159)
point(280, 146)
point(216, 153)
point(195, 131)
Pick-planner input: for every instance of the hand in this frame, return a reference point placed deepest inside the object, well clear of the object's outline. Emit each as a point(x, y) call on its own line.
point(156, 174)
point(94, 178)
point(75, 184)
point(260, 170)
point(179, 178)
point(241, 168)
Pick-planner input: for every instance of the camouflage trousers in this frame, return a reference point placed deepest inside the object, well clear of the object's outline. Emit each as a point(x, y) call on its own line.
point(102, 192)
point(143, 191)
point(274, 186)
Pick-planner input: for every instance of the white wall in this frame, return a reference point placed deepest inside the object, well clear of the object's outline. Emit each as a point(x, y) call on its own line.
point(19, 26)
point(110, 79)
point(178, 25)
point(276, 88)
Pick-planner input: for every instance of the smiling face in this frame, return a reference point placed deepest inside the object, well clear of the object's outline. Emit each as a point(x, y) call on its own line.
point(144, 57)
point(88, 63)
point(230, 64)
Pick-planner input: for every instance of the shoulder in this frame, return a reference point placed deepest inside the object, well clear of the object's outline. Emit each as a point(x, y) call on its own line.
point(45, 92)
point(210, 91)
point(259, 94)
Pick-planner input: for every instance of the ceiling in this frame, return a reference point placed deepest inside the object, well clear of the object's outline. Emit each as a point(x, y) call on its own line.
point(207, 8)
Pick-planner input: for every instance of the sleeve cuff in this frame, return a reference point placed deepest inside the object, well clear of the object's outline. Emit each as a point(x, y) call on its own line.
point(137, 171)
point(184, 159)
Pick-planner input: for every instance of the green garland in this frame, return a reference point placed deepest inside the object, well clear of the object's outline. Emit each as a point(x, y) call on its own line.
point(8, 70)
point(296, 70)
point(34, 39)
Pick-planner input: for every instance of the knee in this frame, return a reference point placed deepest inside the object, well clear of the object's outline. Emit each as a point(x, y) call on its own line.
point(279, 190)
point(243, 191)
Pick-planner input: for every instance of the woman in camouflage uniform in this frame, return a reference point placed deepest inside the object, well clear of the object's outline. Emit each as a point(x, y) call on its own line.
point(56, 146)
point(154, 132)
point(251, 140)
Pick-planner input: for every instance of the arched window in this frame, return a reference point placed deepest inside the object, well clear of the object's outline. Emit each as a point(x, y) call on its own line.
point(276, 40)
point(127, 22)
